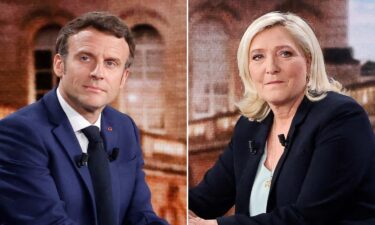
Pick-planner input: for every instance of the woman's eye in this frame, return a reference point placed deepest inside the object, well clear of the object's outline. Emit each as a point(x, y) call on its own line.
point(286, 53)
point(256, 57)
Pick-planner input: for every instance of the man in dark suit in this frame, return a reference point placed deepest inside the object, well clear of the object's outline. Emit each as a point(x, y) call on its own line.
point(55, 166)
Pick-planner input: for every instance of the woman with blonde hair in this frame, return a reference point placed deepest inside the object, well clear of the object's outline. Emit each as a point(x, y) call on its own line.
point(302, 152)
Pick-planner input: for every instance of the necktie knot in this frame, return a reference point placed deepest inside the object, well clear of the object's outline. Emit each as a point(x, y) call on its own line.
point(92, 133)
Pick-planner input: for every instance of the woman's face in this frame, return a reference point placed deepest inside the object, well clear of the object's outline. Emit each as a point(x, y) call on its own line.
point(278, 67)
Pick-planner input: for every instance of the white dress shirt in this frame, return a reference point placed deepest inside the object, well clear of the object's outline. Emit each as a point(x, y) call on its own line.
point(77, 121)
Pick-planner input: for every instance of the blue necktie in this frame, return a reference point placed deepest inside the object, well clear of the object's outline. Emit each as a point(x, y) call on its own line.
point(98, 164)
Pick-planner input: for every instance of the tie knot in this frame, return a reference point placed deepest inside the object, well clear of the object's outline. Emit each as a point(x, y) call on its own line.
point(92, 133)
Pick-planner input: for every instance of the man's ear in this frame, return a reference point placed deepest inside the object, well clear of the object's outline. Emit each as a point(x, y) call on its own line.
point(58, 65)
point(124, 77)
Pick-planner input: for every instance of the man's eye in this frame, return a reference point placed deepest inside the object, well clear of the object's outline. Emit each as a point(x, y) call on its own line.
point(84, 58)
point(111, 63)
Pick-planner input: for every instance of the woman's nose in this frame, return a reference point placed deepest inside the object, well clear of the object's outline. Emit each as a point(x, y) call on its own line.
point(272, 66)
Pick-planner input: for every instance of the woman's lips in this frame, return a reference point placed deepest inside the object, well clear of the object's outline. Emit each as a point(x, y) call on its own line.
point(275, 82)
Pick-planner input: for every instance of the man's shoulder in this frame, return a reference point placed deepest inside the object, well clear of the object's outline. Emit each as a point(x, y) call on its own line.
point(25, 122)
point(31, 113)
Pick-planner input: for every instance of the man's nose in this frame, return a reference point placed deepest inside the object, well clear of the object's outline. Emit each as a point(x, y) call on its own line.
point(272, 66)
point(97, 72)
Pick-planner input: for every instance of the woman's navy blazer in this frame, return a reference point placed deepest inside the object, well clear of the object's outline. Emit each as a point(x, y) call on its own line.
point(326, 174)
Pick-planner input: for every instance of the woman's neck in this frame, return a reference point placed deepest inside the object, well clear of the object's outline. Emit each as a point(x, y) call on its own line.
point(284, 114)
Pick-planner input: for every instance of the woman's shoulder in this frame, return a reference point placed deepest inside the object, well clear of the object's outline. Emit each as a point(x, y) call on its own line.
point(338, 98)
point(337, 107)
point(336, 102)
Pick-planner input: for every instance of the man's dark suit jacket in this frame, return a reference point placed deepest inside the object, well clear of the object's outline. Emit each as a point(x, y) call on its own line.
point(40, 182)
point(326, 174)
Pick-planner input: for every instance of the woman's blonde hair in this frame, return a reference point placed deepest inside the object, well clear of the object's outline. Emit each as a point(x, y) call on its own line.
point(252, 106)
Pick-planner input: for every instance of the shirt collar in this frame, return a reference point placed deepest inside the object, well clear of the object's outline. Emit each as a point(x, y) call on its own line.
point(77, 121)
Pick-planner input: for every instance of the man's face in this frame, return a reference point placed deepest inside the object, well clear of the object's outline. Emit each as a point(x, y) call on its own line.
point(93, 72)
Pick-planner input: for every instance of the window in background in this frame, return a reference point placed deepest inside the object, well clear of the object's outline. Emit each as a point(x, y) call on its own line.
point(210, 72)
point(143, 97)
point(44, 51)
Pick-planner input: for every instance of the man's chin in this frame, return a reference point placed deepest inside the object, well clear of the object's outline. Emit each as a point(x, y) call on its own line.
point(92, 108)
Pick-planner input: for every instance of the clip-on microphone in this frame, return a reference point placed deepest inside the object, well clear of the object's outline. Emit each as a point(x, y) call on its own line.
point(282, 140)
point(113, 156)
point(83, 160)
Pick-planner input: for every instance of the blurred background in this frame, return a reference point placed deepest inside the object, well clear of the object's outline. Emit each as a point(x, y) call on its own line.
point(155, 93)
point(345, 29)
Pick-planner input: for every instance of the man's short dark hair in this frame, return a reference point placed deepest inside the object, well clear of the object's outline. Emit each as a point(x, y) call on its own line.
point(101, 21)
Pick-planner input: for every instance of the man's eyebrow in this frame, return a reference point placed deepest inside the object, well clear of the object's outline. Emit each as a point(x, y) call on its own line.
point(113, 58)
point(85, 52)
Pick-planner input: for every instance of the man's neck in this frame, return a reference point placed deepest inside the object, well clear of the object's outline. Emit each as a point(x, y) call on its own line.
point(91, 115)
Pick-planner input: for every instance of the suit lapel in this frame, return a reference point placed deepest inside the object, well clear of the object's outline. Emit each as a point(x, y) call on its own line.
point(247, 178)
point(66, 138)
point(301, 114)
point(109, 132)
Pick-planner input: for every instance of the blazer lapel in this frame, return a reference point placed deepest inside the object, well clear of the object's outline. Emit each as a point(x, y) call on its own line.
point(259, 138)
point(66, 138)
point(301, 114)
